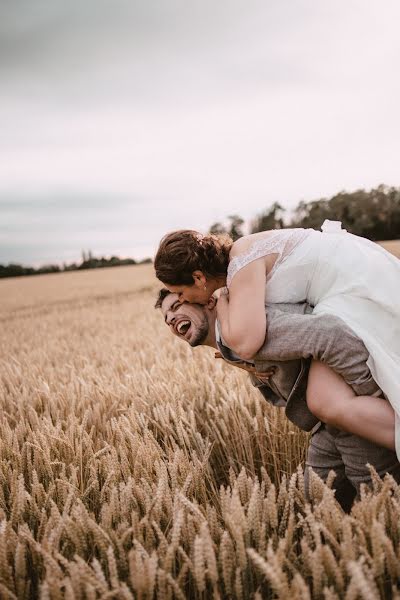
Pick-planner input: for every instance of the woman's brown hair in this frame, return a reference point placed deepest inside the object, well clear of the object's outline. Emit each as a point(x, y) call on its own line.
point(184, 251)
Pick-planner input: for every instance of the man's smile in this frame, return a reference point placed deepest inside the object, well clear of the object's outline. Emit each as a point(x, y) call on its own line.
point(182, 326)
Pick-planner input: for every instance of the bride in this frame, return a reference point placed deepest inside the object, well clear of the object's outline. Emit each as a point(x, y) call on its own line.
point(334, 271)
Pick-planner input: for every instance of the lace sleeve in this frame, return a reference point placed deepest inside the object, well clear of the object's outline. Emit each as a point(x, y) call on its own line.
point(277, 241)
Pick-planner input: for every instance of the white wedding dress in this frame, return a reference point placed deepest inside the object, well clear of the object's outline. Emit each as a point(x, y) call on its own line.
point(345, 275)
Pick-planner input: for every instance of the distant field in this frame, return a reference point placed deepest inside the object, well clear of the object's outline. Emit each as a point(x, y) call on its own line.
point(132, 467)
point(392, 246)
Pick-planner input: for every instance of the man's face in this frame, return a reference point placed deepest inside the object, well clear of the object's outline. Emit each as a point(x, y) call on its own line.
point(187, 321)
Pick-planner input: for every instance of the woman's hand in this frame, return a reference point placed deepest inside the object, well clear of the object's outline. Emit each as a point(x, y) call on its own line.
point(265, 375)
point(223, 307)
point(223, 292)
point(262, 376)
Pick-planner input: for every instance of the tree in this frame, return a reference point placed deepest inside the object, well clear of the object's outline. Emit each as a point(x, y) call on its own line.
point(233, 228)
point(374, 214)
point(271, 218)
point(217, 229)
point(236, 225)
point(312, 214)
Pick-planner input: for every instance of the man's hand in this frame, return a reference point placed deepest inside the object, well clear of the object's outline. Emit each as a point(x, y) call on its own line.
point(265, 375)
point(261, 375)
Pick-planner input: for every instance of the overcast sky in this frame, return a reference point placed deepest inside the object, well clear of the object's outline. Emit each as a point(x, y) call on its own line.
point(122, 120)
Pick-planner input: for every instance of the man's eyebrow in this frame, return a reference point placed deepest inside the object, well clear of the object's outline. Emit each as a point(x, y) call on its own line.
point(173, 305)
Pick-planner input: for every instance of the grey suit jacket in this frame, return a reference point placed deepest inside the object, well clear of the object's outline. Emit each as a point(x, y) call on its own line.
point(295, 337)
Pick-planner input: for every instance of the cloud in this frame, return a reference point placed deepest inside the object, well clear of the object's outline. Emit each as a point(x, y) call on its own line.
point(159, 115)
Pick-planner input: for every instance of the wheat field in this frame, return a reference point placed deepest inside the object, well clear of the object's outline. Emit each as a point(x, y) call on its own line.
point(133, 467)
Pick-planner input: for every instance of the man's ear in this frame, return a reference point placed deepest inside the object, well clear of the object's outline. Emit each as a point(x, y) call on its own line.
point(212, 303)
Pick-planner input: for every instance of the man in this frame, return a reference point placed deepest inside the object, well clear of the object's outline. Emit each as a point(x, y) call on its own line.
point(280, 370)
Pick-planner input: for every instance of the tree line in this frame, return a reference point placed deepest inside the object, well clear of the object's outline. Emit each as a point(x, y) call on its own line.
point(373, 214)
point(88, 262)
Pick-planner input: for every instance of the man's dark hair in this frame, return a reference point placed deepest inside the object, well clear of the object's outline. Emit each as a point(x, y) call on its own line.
point(163, 293)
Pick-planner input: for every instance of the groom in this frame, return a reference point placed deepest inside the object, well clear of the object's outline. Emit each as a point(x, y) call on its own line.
point(280, 371)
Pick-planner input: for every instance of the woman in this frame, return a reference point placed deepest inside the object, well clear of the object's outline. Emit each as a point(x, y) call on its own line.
point(334, 271)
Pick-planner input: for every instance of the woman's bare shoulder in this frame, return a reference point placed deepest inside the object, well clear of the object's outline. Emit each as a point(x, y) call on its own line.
point(243, 244)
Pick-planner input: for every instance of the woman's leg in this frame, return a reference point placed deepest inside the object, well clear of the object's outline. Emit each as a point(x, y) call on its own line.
point(333, 401)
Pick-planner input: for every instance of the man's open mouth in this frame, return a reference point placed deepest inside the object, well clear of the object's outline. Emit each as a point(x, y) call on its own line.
point(183, 327)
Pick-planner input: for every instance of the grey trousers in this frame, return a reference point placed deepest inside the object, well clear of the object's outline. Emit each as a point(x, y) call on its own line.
point(347, 455)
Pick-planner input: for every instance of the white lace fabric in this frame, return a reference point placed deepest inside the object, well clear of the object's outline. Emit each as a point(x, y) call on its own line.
point(278, 241)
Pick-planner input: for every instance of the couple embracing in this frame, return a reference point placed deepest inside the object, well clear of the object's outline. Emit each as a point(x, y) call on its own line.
point(321, 308)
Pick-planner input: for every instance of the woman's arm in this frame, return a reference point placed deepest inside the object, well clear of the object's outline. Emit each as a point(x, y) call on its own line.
point(242, 315)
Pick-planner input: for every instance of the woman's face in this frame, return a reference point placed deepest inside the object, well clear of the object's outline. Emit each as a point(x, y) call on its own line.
point(194, 293)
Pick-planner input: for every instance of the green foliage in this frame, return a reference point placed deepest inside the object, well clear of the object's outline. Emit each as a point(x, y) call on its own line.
point(271, 218)
point(218, 229)
point(234, 227)
point(236, 224)
point(88, 262)
point(374, 214)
